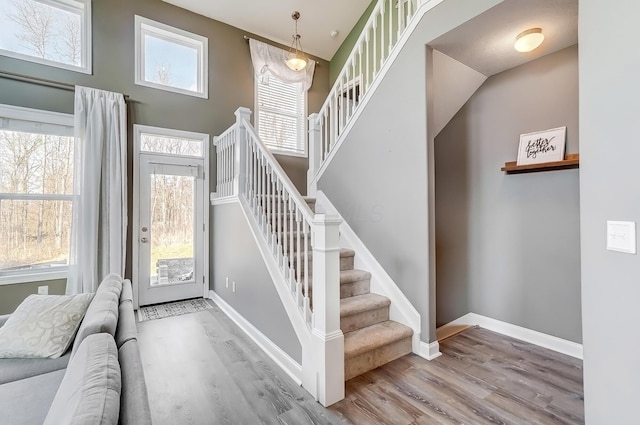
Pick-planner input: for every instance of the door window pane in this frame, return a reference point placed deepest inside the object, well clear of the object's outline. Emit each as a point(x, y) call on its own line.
point(172, 209)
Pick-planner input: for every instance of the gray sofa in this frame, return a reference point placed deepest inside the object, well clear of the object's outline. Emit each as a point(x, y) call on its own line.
point(103, 363)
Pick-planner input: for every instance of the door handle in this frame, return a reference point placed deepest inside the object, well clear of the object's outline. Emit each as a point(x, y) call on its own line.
point(144, 240)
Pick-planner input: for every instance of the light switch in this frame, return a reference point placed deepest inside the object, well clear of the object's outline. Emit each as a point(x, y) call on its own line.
point(621, 236)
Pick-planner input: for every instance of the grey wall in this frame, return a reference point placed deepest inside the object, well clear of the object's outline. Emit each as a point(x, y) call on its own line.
point(12, 295)
point(609, 190)
point(235, 255)
point(508, 246)
point(230, 79)
point(378, 178)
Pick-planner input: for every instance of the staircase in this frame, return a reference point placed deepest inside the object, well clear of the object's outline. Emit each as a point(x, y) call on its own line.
point(370, 338)
point(344, 329)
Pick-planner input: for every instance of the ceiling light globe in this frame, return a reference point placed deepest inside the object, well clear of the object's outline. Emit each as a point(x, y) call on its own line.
point(296, 62)
point(529, 40)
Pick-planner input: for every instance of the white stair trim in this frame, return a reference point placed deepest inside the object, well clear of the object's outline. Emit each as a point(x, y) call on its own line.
point(282, 359)
point(429, 350)
point(401, 309)
point(551, 342)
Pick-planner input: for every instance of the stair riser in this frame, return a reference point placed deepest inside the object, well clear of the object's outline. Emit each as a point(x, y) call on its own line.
point(364, 319)
point(372, 359)
point(352, 289)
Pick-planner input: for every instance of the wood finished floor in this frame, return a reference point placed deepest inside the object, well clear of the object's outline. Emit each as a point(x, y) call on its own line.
point(481, 378)
point(201, 368)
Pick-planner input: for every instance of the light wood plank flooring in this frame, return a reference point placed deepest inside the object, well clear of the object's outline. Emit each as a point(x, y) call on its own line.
point(202, 369)
point(481, 378)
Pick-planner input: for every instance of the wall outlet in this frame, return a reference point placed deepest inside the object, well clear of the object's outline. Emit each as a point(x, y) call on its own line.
point(43, 290)
point(234, 287)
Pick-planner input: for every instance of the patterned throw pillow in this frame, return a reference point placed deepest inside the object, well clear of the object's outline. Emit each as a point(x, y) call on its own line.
point(43, 326)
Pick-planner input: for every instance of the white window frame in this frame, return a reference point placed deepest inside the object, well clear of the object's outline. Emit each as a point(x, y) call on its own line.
point(87, 61)
point(48, 117)
point(175, 35)
point(305, 132)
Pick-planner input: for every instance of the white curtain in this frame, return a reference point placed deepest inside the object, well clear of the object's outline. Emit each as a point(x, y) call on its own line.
point(99, 220)
point(270, 60)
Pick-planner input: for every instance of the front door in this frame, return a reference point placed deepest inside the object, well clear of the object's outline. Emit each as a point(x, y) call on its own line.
point(170, 222)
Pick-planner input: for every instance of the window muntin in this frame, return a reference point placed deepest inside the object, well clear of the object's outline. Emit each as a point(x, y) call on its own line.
point(281, 116)
point(169, 58)
point(49, 32)
point(36, 186)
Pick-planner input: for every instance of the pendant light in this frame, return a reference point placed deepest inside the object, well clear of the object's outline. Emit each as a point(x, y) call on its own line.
point(296, 60)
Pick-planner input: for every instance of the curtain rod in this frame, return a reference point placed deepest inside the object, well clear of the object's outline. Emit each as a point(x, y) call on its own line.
point(42, 81)
point(247, 38)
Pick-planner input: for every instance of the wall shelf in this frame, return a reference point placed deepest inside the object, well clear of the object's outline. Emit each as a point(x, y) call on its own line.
point(571, 160)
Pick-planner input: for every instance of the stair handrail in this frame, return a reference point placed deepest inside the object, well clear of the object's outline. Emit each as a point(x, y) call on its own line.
point(379, 38)
point(266, 195)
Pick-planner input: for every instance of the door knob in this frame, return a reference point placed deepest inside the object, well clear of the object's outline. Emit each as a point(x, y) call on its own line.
point(144, 240)
point(144, 229)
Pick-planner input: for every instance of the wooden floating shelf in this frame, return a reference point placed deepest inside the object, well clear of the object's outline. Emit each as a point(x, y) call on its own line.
point(571, 160)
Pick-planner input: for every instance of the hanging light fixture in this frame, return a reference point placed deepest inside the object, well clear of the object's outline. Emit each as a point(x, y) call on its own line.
point(529, 40)
point(296, 60)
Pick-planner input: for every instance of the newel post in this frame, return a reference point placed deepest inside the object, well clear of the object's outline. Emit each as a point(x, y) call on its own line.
point(328, 340)
point(315, 151)
point(240, 151)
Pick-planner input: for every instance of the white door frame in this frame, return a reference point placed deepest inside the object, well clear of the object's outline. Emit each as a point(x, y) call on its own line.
point(138, 130)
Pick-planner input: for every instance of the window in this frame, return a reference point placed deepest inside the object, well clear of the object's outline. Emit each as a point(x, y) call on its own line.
point(49, 32)
point(281, 116)
point(171, 59)
point(36, 186)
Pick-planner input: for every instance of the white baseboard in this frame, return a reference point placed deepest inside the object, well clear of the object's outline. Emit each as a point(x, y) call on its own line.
point(430, 350)
point(282, 359)
point(551, 342)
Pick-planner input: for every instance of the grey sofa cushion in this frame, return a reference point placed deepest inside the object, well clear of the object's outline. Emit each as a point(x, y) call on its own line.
point(90, 390)
point(102, 314)
point(134, 402)
point(27, 401)
point(15, 369)
point(126, 329)
point(127, 291)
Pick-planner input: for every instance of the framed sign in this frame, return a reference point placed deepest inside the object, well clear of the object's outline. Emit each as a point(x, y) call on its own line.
point(542, 146)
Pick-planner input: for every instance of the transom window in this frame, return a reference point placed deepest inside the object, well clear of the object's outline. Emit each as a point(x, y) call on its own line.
point(50, 32)
point(281, 116)
point(169, 58)
point(36, 186)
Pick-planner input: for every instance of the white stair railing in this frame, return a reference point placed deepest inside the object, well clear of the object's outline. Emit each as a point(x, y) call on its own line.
point(386, 25)
point(304, 247)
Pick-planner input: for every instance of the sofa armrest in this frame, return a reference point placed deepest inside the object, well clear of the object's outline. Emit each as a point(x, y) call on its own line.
point(3, 319)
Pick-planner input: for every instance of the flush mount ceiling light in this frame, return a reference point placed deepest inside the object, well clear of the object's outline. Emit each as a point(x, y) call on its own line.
point(529, 40)
point(296, 60)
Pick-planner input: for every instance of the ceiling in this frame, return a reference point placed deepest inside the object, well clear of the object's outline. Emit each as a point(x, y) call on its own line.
point(272, 19)
point(485, 43)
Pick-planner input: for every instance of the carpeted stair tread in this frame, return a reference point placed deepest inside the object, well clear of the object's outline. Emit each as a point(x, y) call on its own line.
point(350, 276)
point(373, 337)
point(361, 303)
point(344, 253)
